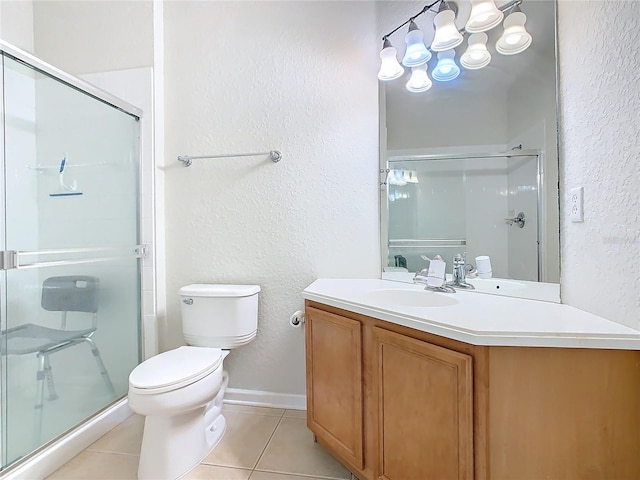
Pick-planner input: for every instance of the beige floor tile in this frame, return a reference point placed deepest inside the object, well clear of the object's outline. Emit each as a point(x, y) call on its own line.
point(244, 440)
point(250, 409)
point(296, 413)
point(279, 476)
point(98, 466)
point(292, 450)
point(125, 438)
point(212, 472)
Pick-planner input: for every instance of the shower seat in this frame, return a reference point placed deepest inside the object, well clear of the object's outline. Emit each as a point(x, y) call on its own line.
point(71, 293)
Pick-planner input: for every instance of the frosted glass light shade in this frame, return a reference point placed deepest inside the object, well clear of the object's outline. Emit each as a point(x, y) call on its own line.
point(484, 16)
point(446, 69)
point(419, 80)
point(476, 56)
point(416, 53)
point(447, 35)
point(515, 38)
point(390, 69)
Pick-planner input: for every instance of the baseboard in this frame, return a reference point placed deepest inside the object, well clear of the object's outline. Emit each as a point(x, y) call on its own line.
point(51, 457)
point(258, 398)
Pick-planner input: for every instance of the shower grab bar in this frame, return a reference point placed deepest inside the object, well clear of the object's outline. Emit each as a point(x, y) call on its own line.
point(425, 243)
point(42, 168)
point(10, 259)
point(274, 155)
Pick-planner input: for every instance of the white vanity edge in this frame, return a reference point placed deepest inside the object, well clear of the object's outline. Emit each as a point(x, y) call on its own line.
point(480, 319)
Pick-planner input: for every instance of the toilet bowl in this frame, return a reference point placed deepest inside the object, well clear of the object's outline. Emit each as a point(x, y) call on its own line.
point(180, 392)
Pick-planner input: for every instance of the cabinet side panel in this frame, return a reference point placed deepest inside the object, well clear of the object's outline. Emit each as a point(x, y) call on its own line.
point(334, 388)
point(564, 413)
point(425, 408)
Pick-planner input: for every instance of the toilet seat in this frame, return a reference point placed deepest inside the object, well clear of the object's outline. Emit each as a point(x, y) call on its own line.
point(174, 369)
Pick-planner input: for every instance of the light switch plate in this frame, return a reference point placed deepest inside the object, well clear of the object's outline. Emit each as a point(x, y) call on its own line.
point(576, 204)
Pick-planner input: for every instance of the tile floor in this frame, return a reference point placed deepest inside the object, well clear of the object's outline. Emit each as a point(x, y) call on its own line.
point(259, 444)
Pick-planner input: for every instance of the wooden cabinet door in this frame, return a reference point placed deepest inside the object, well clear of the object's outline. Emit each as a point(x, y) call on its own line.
point(425, 409)
point(334, 382)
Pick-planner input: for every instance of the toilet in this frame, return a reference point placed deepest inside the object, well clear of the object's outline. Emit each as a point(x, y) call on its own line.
point(180, 392)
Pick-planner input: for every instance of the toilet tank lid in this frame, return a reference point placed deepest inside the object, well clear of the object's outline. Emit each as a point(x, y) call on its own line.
point(217, 290)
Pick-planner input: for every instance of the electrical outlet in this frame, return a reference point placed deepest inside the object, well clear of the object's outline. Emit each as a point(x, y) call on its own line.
point(576, 204)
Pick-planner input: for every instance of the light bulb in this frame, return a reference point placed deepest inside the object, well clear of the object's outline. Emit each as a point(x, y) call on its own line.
point(416, 53)
point(390, 69)
point(515, 38)
point(447, 35)
point(484, 16)
point(419, 81)
point(446, 69)
point(476, 56)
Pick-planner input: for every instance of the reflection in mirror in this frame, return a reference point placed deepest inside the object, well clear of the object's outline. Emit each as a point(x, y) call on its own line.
point(470, 166)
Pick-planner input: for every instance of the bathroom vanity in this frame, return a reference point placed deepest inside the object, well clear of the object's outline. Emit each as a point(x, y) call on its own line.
point(406, 384)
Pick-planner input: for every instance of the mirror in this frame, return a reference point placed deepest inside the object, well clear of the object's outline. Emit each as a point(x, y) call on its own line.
point(470, 166)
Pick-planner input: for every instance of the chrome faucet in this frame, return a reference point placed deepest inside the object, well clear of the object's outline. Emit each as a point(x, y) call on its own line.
point(460, 269)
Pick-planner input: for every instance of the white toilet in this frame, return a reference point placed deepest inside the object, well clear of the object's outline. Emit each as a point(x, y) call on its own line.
point(180, 391)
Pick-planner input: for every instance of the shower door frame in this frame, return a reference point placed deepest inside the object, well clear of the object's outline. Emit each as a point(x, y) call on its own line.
point(10, 259)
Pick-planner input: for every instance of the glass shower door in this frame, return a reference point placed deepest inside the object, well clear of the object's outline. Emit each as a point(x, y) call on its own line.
point(70, 292)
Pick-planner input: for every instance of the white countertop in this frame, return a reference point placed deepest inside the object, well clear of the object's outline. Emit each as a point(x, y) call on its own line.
point(479, 319)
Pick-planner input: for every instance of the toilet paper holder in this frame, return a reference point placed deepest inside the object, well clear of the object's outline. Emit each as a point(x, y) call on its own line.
point(297, 318)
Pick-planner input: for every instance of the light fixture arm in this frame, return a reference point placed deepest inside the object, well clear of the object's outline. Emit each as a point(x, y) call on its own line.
point(424, 10)
point(452, 6)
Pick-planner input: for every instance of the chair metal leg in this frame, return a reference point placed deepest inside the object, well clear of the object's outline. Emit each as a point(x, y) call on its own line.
point(37, 421)
point(49, 378)
point(101, 367)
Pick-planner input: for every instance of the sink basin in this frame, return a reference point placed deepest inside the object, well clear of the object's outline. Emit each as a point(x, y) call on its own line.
point(410, 298)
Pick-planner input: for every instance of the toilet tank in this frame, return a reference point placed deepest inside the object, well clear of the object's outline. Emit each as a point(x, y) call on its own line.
point(221, 316)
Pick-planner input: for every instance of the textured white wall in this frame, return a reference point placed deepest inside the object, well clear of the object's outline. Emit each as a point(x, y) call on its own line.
point(16, 23)
point(94, 36)
point(600, 100)
point(254, 76)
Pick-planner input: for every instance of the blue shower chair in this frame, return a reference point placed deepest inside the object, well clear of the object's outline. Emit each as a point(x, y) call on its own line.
point(71, 293)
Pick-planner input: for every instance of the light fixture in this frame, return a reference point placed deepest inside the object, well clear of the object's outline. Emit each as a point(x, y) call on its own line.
point(515, 38)
point(396, 177)
point(416, 53)
point(390, 69)
point(476, 56)
point(484, 16)
point(401, 178)
point(419, 81)
point(447, 35)
point(411, 176)
point(446, 69)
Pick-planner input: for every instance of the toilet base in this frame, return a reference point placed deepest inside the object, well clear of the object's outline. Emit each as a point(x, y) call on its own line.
point(173, 445)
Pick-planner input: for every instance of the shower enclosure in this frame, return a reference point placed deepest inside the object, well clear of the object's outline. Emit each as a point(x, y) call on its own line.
point(69, 252)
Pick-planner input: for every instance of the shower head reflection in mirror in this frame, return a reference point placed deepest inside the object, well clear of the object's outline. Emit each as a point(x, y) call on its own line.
point(451, 179)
